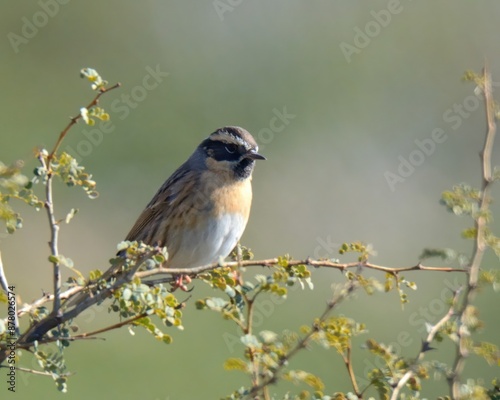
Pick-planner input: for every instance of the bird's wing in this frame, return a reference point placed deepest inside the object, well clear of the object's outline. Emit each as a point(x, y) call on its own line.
point(164, 206)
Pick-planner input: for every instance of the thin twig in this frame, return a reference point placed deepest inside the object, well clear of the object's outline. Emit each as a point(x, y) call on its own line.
point(249, 331)
point(54, 236)
point(480, 244)
point(27, 346)
point(49, 204)
point(248, 263)
point(87, 335)
point(33, 371)
point(265, 392)
point(48, 297)
point(111, 327)
point(271, 262)
point(349, 287)
point(350, 371)
point(426, 346)
point(88, 300)
point(72, 292)
point(40, 328)
point(75, 119)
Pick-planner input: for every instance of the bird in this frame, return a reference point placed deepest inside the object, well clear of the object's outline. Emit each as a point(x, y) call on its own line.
point(200, 212)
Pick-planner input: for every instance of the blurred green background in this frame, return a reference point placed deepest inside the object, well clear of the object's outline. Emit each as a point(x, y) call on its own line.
point(361, 82)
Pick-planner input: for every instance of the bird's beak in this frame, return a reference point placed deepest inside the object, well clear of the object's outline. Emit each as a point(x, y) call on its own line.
point(253, 155)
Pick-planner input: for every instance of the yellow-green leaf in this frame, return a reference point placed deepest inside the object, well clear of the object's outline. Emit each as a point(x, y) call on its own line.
point(232, 364)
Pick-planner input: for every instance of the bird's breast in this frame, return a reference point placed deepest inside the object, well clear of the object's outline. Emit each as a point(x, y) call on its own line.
point(213, 238)
point(221, 213)
point(233, 198)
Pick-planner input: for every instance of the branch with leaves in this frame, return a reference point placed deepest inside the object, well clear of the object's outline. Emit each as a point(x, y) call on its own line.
point(136, 287)
point(426, 346)
point(483, 238)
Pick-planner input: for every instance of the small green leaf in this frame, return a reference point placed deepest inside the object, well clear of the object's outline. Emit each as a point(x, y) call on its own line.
point(235, 364)
point(159, 258)
point(167, 339)
point(200, 305)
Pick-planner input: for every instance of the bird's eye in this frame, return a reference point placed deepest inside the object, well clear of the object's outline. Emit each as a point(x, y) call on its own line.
point(230, 149)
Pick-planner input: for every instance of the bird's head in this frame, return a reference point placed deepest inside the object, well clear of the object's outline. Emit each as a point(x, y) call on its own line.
point(231, 149)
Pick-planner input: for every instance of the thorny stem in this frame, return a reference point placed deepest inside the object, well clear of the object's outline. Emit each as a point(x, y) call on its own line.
point(480, 244)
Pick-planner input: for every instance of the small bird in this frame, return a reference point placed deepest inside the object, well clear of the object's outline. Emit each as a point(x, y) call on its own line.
point(202, 209)
point(199, 213)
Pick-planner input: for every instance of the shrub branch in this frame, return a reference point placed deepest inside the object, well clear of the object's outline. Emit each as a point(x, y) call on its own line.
point(480, 244)
point(347, 289)
point(426, 346)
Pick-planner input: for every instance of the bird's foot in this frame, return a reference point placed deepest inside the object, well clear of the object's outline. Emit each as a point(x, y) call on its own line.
point(179, 283)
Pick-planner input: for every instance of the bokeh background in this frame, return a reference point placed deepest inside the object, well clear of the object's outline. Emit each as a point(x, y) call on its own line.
point(354, 108)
